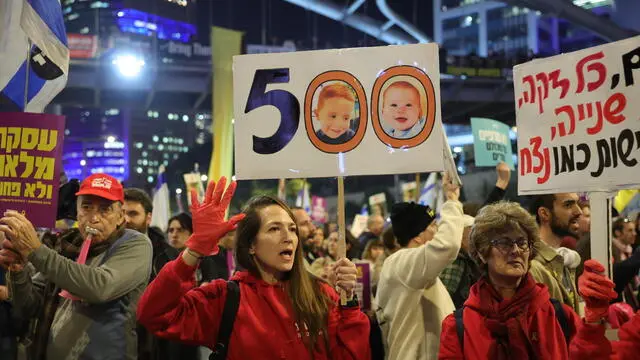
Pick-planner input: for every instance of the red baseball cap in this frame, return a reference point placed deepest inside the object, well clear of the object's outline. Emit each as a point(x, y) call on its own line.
point(104, 186)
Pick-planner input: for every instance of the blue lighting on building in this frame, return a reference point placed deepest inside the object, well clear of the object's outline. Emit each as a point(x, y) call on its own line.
point(142, 23)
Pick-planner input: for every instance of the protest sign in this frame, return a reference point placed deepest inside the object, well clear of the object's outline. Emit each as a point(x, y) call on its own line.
point(359, 225)
point(329, 113)
point(363, 285)
point(491, 142)
point(193, 181)
point(378, 204)
point(30, 165)
point(578, 120)
point(319, 209)
point(409, 191)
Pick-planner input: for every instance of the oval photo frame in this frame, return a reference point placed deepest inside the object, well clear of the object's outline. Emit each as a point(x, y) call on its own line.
point(430, 108)
point(336, 75)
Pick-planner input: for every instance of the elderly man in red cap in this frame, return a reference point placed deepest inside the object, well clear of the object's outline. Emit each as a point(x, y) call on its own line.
point(84, 303)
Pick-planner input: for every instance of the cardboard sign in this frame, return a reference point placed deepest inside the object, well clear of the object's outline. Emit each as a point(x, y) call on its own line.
point(359, 225)
point(82, 46)
point(30, 165)
point(578, 120)
point(378, 204)
point(363, 285)
point(491, 143)
point(330, 113)
point(319, 209)
point(409, 191)
point(193, 181)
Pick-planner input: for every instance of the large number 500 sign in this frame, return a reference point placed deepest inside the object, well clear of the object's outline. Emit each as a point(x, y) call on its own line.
point(336, 111)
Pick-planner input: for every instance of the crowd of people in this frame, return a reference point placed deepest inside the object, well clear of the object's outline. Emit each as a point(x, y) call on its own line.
point(496, 280)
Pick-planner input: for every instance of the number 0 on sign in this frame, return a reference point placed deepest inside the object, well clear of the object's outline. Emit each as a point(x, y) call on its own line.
point(363, 112)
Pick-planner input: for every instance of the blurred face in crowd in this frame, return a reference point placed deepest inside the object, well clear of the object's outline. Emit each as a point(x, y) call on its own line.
point(509, 255)
point(376, 251)
point(628, 234)
point(275, 244)
point(565, 215)
point(135, 216)
point(376, 225)
point(306, 228)
point(318, 237)
point(178, 235)
point(332, 247)
point(585, 220)
point(102, 215)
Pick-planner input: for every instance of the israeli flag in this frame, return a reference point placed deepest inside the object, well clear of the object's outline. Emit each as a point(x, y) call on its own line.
point(161, 203)
point(41, 22)
point(303, 199)
point(432, 194)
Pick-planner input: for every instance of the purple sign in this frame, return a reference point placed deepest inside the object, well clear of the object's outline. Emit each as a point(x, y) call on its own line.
point(30, 165)
point(363, 285)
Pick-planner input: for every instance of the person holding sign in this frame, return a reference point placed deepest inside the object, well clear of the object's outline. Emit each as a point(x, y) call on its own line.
point(335, 110)
point(282, 311)
point(510, 316)
point(411, 298)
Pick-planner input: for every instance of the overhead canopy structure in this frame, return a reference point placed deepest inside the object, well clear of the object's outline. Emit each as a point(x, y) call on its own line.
point(576, 15)
point(380, 30)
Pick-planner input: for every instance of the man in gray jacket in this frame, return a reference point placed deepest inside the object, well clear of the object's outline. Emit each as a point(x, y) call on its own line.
point(85, 309)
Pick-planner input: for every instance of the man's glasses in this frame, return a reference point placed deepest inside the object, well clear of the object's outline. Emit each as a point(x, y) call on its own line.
point(102, 209)
point(506, 244)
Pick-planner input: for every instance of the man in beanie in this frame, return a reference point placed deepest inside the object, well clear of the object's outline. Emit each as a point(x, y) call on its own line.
point(84, 298)
point(412, 301)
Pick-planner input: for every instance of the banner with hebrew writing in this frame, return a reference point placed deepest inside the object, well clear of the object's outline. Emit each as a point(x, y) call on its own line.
point(578, 118)
point(30, 165)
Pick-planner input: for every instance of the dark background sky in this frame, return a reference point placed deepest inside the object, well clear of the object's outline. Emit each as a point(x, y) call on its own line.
point(285, 21)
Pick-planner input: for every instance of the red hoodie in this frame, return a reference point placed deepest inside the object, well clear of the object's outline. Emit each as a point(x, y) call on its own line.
point(264, 327)
point(527, 322)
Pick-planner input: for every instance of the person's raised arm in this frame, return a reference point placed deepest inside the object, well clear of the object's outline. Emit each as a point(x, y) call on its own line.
point(169, 307)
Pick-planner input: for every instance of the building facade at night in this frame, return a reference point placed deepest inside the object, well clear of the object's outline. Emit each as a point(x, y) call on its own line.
point(485, 27)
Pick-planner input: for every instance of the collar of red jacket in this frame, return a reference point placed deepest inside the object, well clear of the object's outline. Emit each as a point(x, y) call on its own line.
point(249, 278)
point(484, 299)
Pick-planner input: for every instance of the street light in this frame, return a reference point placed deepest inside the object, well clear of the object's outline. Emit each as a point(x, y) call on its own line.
point(128, 65)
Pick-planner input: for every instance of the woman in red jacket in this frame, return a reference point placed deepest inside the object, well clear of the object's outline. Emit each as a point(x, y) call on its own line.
point(508, 315)
point(284, 313)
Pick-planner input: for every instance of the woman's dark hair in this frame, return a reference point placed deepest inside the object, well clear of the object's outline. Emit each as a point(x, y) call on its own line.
point(185, 221)
point(310, 303)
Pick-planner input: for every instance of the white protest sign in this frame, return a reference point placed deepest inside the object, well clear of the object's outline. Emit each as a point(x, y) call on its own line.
point(341, 112)
point(578, 118)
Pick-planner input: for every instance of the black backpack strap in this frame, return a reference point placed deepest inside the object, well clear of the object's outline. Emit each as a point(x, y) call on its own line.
point(460, 326)
point(231, 304)
point(561, 316)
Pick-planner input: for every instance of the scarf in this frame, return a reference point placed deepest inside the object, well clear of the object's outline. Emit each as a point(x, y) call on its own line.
point(505, 319)
point(67, 244)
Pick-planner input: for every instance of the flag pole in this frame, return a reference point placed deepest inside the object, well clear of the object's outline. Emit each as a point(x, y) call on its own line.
point(26, 76)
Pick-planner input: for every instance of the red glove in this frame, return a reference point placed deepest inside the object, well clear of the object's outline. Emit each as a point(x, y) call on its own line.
point(597, 291)
point(209, 225)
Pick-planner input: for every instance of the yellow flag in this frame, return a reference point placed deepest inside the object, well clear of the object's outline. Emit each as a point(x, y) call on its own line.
point(623, 198)
point(224, 45)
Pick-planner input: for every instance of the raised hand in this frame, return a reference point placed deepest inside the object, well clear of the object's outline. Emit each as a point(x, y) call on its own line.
point(451, 190)
point(209, 224)
point(504, 175)
point(597, 291)
point(345, 275)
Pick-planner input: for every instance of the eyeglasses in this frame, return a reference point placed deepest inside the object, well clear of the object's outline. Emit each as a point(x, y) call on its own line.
point(505, 244)
point(102, 209)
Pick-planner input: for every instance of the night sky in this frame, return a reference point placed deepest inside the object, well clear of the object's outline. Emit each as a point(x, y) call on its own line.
point(285, 21)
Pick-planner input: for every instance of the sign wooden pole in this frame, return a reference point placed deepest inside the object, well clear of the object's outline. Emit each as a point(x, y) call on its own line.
point(600, 203)
point(342, 230)
point(418, 187)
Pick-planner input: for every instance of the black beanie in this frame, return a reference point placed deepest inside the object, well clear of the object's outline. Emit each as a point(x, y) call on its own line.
point(409, 220)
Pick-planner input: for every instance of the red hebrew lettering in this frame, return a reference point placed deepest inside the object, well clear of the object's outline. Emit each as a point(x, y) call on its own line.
point(525, 161)
point(530, 95)
point(598, 126)
point(544, 161)
point(556, 82)
point(599, 68)
point(613, 115)
point(572, 121)
point(543, 84)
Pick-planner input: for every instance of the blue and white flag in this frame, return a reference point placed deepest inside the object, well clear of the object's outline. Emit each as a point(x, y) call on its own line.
point(303, 199)
point(41, 22)
point(161, 203)
point(432, 194)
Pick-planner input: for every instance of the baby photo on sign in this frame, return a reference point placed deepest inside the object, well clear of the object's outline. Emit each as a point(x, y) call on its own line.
point(336, 112)
point(402, 107)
